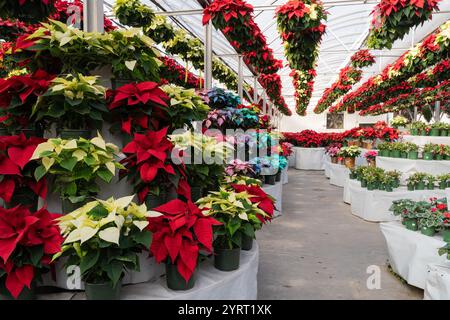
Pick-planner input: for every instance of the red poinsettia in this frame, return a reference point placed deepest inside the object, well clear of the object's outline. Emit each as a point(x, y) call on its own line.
point(15, 167)
point(173, 72)
point(179, 234)
point(135, 104)
point(22, 233)
point(362, 58)
point(265, 202)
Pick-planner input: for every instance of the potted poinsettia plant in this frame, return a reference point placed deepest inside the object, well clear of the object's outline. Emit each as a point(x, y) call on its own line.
point(399, 122)
point(28, 240)
point(148, 165)
point(136, 107)
point(185, 106)
point(234, 210)
point(238, 167)
point(333, 151)
point(180, 233)
point(31, 11)
point(104, 239)
point(204, 158)
point(76, 103)
point(371, 157)
point(349, 154)
point(17, 182)
point(76, 166)
point(18, 96)
point(133, 13)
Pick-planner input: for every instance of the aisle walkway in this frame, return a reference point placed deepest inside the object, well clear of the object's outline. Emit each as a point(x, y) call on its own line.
point(318, 250)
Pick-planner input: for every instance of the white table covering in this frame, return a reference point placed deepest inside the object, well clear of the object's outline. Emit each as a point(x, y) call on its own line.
point(374, 205)
point(309, 158)
point(408, 166)
point(210, 284)
point(410, 252)
point(285, 176)
point(338, 174)
point(437, 285)
point(291, 159)
point(422, 140)
point(276, 191)
point(326, 167)
point(346, 196)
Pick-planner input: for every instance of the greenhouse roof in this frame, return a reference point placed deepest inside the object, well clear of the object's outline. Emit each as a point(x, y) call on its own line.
point(347, 28)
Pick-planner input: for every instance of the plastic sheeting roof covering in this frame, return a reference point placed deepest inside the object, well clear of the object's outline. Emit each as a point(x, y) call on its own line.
point(347, 27)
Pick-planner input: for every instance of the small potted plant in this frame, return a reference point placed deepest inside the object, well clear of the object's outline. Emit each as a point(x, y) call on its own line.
point(412, 150)
point(333, 152)
point(383, 149)
point(430, 221)
point(395, 150)
point(440, 152)
point(267, 170)
point(28, 241)
point(418, 128)
point(76, 166)
point(395, 175)
point(388, 182)
point(75, 103)
point(446, 225)
point(409, 210)
point(436, 129)
point(399, 122)
point(233, 210)
point(180, 233)
point(417, 180)
point(429, 150)
point(353, 174)
point(104, 239)
point(349, 154)
point(443, 181)
point(371, 156)
point(133, 13)
point(429, 181)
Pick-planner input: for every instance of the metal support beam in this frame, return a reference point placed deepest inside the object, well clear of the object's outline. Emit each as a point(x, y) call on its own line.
point(240, 76)
point(208, 56)
point(93, 20)
point(255, 90)
point(437, 111)
point(264, 110)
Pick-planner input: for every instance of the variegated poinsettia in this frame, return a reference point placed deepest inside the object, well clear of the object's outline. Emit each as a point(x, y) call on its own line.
point(104, 237)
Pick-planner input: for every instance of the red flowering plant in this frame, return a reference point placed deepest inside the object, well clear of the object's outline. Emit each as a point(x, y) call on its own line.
point(149, 167)
point(180, 234)
point(259, 197)
point(175, 73)
point(235, 19)
point(10, 29)
point(28, 241)
point(305, 139)
point(136, 107)
point(17, 182)
point(18, 95)
point(392, 19)
point(264, 122)
point(303, 82)
point(362, 58)
point(27, 10)
point(348, 76)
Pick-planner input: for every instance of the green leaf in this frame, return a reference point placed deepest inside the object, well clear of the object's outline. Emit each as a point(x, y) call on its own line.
point(105, 175)
point(99, 212)
point(248, 230)
point(71, 189)
point(114, 270)
point(36, 253)
point(69, 164)
point(39, 172)
point(144, 238)
point(90, 160)
point(88, 261)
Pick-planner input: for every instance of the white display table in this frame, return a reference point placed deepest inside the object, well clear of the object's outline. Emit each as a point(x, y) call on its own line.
point(291, 159)
point(374, 205)
point(423, 140)
point(326, 166)
point(346, 196)
point(408, 166)
point(437, 285)
point(210, 284)
point(276, 191)
point(309, 158)
point(285, 176)
point(338, 174)
point(410, 252)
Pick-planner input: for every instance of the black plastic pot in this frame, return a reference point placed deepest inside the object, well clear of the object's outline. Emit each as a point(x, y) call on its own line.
point(227, 259)
point(32, 132)
point(75, 134)
point(152, 201)
point(174, 279)
point(196, 193)
point(26, 197)
point(247, 243)
point(102, 291)
point(117, 83)
point(270, 179)
point(278, 176)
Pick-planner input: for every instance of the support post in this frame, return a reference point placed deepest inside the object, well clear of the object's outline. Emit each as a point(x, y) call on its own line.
point(208, 56)
point(255, 89)
point(415, 114)
point(240, 77)
point(93, 16)
point(437, 111)
point(264, 103)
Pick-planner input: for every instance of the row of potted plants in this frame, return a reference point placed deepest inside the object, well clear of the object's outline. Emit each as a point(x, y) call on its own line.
point(419, 128)
point(374, 178)
point(409, 150)
point(430, 217)
point(422, 181)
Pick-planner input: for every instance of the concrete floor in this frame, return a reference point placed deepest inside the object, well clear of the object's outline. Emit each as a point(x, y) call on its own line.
point(319, 250)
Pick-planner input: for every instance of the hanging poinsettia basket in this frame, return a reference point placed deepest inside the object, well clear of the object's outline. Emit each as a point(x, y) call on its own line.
point(301, 28)
point(392, 19)
point(362, 58)
point(347, 78)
